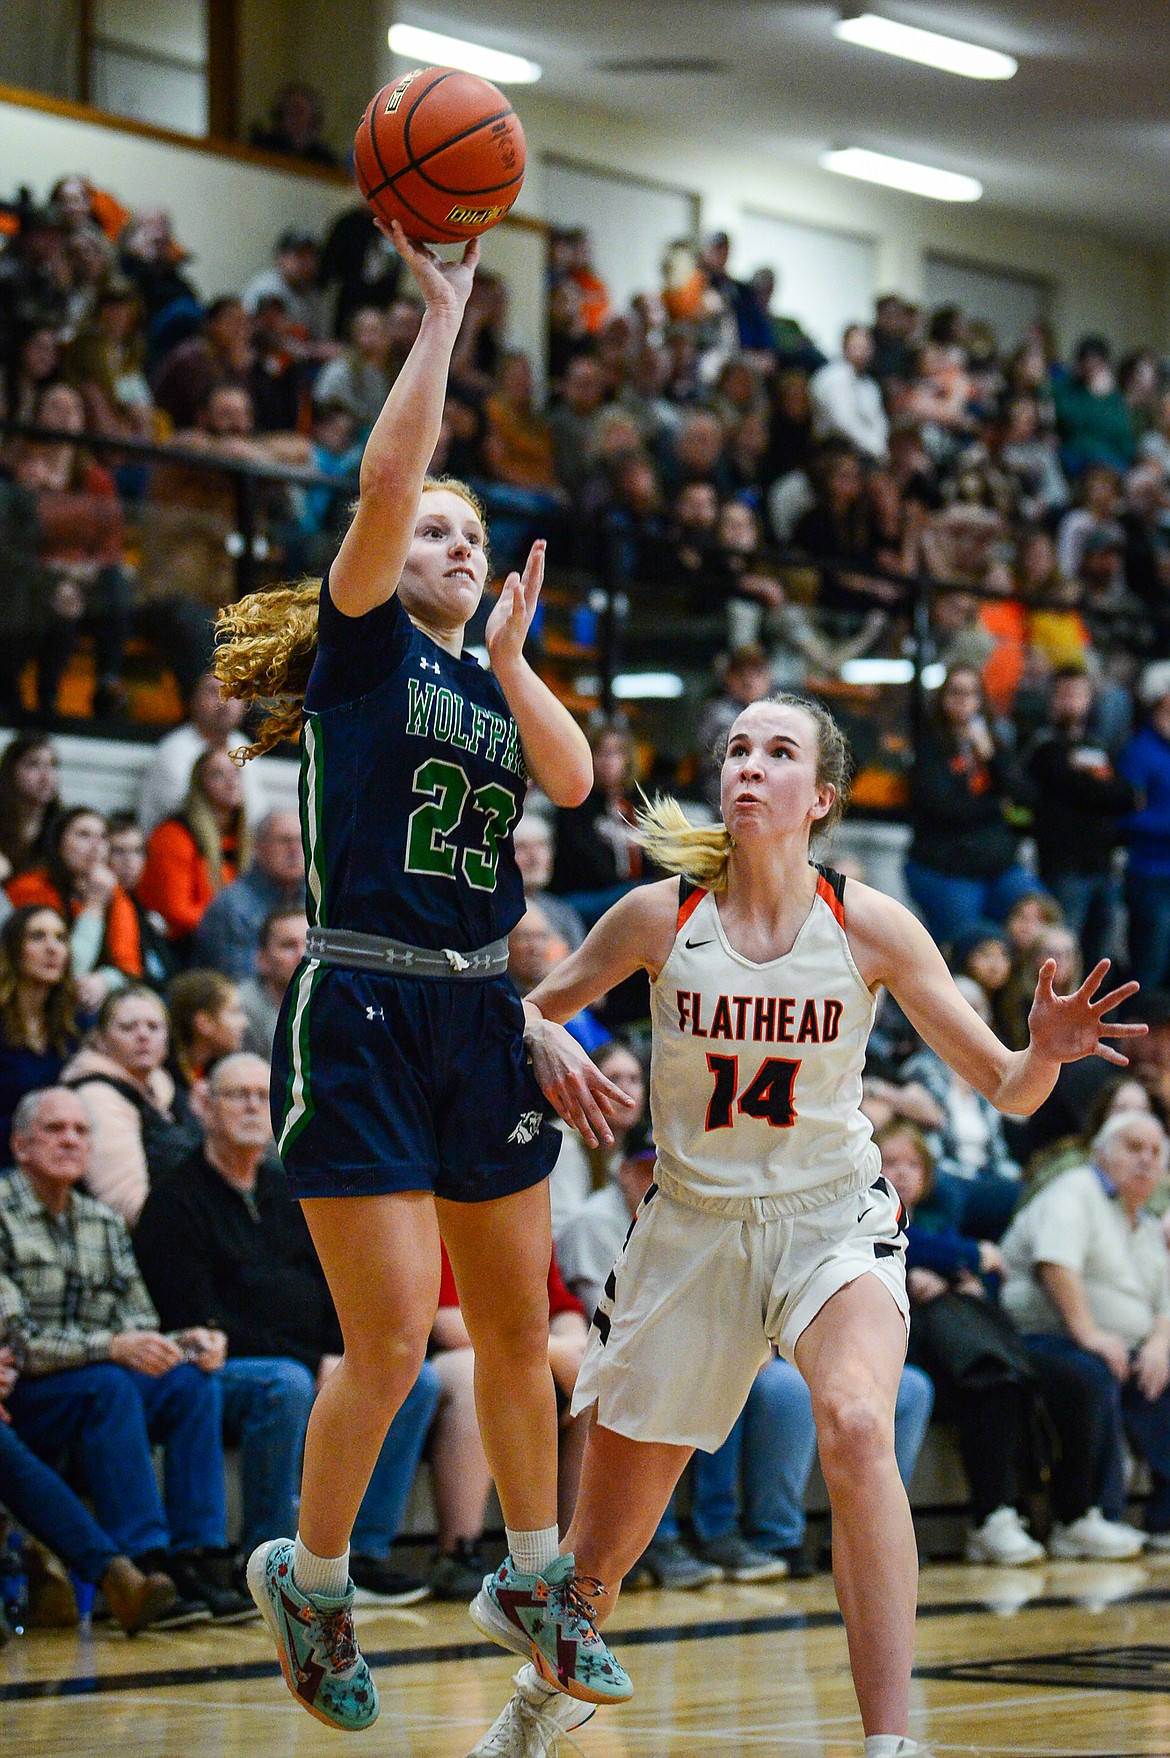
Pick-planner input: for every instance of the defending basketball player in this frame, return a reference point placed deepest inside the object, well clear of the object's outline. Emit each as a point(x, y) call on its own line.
point(769, 1222)
point(403, 1104)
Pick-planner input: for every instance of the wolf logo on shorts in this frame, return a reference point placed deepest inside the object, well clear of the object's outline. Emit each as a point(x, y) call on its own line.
point(527, 1129)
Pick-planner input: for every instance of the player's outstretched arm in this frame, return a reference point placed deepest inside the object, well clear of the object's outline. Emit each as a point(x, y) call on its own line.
point(403, 439)
point(891, 946)
point(556, 751)
point(637, 933)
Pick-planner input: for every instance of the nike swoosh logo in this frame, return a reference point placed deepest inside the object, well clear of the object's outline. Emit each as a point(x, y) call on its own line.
point(693, 945)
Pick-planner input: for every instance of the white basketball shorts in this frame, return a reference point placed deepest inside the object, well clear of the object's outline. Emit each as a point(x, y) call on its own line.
point(696, 1300)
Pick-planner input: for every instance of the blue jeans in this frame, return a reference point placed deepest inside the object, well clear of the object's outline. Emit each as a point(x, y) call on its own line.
point(112, 1415)
point(266, 1405)
point(1147, 1423)
point(1088, 1420)
point(46, 1507)
point(774, 1444)
point(980, 1207)
point(1089, 902)
point(1147, 899)
point(950, 904)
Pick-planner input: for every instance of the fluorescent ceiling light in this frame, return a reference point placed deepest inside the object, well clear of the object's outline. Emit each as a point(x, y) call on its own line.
point(436, 50)
point(904, 174)
point(637, 686)
point(926, 47)
point(877, 671)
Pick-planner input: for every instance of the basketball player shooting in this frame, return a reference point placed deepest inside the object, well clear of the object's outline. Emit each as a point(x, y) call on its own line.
point(769, 1223)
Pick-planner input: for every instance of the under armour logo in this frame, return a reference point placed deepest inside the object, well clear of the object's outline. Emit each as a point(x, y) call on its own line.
point(374, 1013)
point(429, 665)
point(527, 1129)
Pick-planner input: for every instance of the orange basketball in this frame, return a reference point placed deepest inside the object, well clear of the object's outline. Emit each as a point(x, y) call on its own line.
point(442, 152)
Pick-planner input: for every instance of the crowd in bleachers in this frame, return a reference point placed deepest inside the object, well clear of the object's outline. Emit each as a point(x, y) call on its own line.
point(700, 453)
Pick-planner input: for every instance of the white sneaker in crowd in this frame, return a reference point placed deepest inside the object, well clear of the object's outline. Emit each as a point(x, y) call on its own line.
point(1094, 1537)
point(532, 1721)
point(1003, 1541)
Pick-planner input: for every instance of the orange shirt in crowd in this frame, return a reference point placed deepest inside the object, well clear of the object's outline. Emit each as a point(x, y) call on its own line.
point(123, 943)
point(176, 881)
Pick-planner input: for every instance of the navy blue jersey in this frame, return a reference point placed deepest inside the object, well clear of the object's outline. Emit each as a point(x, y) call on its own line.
point(412, 779)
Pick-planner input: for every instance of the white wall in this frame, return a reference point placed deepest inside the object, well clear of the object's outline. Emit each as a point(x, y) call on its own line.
point(1097, 283)
point(630, 222)
point(824, 279)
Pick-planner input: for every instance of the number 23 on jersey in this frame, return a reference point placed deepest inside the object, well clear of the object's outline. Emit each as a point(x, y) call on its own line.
point(445, 791)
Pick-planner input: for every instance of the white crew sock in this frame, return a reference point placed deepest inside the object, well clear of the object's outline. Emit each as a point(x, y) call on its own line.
point(532, 1552)
point(891, 1746)
point(326, 1577)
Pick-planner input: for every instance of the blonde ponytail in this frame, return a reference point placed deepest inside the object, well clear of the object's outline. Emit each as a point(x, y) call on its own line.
point(699, 852)
point(264, 651)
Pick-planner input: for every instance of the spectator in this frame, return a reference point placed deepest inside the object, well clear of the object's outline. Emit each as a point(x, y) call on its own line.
point(29, 802)
point(121, 1075)
point(963, 859)
point(37, 366)
point(1096, 511)
point(223, 1238)
point(988, 1383)
point(1057, 943)
point(1088, 1281)
point(106, 365)
point(128, 863)
point(519, 446)
point(228, 937)
point(1156, 443)
point(533, 951)
point(38, 1009)
point(747, 678)
point(85, 583)
point(359, 379)
point(846, 401)
point(219, 353)
point(1032, 461)
point(459, 1468)
point(982, 952)
point(974, 1179)
point(54, 1516)
point(361, 263)
point(573, 419)
point(595, 851)
point(1092, 416)
point(1029, 917)
point(532, 840)
point(571, 1190)
point(1145, 764)
point(296, 262)
point(213, 720)
point(207, 1022)
point(191, 857)
point(1077, 810)
point(150, 256)
point(98, 1373)
point(77, 882)
point(295, 126)
point(696, 452)
point(282, 947)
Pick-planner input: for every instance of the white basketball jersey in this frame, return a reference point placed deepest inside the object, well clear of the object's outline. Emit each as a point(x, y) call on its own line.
point(755, 1080)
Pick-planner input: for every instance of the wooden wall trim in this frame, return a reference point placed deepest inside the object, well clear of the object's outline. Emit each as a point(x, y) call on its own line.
point(216, 149)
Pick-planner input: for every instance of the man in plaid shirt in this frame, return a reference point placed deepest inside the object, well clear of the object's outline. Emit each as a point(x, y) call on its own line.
point(96, 1374)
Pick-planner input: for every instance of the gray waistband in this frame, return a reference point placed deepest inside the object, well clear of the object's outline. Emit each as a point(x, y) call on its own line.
point(376, 952)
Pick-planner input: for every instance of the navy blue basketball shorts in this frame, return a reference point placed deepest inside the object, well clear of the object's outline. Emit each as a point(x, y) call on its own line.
point(385, 1083)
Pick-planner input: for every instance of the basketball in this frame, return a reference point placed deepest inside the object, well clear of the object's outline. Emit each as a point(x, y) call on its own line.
point(442, 152)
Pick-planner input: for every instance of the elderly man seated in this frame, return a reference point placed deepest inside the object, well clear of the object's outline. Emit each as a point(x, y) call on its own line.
point(1088, 1278)
point(98, 1377)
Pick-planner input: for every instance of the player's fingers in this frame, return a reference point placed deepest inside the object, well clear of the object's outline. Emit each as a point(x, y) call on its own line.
point(1115, 997)
point(1109, 1030)
point(609, 1097)
point(1044, 978)
point(1095, 978)
point(534, 574)
point(1110, 1055)
point(470, 257)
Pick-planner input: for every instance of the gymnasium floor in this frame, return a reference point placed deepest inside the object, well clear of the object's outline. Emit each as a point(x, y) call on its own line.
point(1068, 1659)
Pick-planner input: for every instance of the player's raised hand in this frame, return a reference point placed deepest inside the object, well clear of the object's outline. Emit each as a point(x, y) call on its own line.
point(444, 285)
point(1063, 1028)
point(513, 611)
point(572, 1082)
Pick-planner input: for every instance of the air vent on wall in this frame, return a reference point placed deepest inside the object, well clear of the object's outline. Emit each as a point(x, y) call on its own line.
point(702, 64)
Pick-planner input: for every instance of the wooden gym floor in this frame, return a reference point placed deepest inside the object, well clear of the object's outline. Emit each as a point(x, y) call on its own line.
point(1067, 1659)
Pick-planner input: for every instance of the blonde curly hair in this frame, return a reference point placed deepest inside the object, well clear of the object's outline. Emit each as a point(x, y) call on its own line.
point(265, 645)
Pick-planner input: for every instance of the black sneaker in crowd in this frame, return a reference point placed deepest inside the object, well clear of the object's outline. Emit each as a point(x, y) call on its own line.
point(458, 1574)
point(376, 1583)
point(207, 1575)
point(801, 1566)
